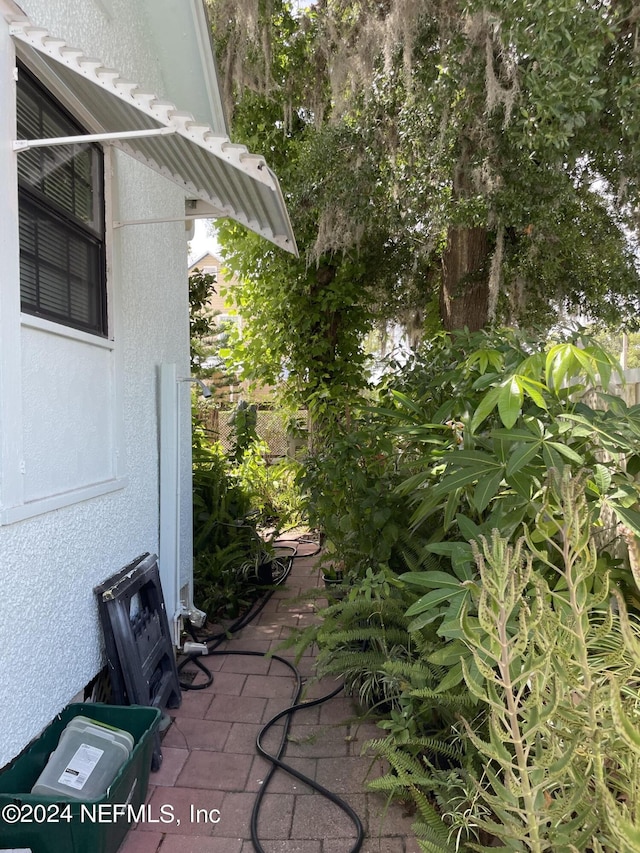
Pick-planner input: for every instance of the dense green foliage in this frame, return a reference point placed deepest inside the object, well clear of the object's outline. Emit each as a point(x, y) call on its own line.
point(220, 546)
point(493, 660)
point(235, 496)
point(462, 162)
point(201, 324)
point(469, 161)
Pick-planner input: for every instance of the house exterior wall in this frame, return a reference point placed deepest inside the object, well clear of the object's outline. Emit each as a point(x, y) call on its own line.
point(79, 416)
point(114, 31)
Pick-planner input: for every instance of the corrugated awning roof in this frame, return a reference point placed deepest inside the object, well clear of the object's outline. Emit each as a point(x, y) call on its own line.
point(224, 178)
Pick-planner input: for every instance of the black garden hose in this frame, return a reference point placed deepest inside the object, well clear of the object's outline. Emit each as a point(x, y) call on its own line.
point(276, 762)
point(241, 622)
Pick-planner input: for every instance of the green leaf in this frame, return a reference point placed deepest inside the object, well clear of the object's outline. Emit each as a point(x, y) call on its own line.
point(476, 459)
point(534, 390)
point(605, 364)
point(430, 580)
point(560, 361)
point(522, 484)
point(429, 601)
point(588, 365)
point(468, 528)
point(423, 620)
point(485, 407)
point(629, 732)
point(501, 752)
point(461, 560)
point(552, 458)
point(627, 516)
point(501, 790)
point(567, 452)
point(602, 478)
point(408, 403)
point(532, 366)
point(448, 549)
point(475, 686)
point(510, 402)
point(448, 654)
point(521, 456)
point(345, 524)
point(457, 480)
point(486, 489)
point(411, 484)
point(471, 466)
point(563, 762)
point(451, 679)
point(532, 434)
point(426, 508)
point(451, 508)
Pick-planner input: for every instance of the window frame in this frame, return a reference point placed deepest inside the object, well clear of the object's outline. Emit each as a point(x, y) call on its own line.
point(90, 236)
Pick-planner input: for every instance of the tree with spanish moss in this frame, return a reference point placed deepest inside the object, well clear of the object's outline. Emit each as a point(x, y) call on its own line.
point(461, 162)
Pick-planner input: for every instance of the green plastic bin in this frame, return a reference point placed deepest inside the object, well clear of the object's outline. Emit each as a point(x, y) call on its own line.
point(61, 825)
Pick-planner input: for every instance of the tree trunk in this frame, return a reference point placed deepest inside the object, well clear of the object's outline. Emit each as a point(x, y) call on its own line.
point(464, 291)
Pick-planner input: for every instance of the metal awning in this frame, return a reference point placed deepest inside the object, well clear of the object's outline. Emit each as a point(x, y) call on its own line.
point(223, 178)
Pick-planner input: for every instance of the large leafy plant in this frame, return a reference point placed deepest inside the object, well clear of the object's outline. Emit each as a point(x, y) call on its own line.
point(493, 432)
point(478, 432)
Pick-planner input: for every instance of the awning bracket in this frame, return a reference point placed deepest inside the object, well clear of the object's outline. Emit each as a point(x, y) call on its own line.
point(26, 144)
point(188, 217)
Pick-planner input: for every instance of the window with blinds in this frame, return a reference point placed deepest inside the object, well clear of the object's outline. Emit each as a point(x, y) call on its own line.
point(61, 199)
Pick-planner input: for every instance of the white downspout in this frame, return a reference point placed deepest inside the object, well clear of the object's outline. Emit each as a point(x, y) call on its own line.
point(169, 556)
point(170, 508)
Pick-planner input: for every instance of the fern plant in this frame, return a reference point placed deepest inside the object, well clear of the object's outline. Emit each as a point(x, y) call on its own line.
point(411, 778)
point(359, 637)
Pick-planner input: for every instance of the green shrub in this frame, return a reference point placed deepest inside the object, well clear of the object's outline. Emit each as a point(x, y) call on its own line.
point(219, 498)
point(272, 488)
point(220, 547)
point(225, 493)
point(482, 438)
point(350, 489)
point(475, 454)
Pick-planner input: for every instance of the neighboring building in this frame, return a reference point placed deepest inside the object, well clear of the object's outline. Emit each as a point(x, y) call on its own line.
point(212, 265)
point(94, 337)
point(221, 308)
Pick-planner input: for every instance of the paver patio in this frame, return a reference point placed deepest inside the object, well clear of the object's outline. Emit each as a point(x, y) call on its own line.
point(211, 772)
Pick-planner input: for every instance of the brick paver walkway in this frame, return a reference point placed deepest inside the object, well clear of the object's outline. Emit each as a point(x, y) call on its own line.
point(211, 772)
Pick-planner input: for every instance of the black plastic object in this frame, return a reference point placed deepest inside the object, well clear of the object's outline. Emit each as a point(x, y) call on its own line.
point(50, 824)
point(138, 645)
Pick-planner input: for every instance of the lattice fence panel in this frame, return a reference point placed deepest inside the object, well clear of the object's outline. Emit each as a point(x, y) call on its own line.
point(271, 428)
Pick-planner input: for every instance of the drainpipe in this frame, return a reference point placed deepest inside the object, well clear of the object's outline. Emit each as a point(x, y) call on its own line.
point(178, 606)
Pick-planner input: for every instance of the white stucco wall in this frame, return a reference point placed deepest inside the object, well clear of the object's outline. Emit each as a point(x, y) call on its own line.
point(54, 388)
point(114, 31)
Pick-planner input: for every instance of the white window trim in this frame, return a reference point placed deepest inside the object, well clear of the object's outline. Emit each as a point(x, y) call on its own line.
point(30, 321)
point(13, 507)
point(24, 511)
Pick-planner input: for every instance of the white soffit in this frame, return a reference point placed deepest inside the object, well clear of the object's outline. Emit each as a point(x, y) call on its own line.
point(225, 178)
